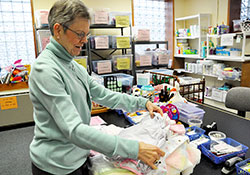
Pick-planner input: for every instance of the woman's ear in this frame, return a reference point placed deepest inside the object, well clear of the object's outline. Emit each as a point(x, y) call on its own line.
point(57, 30)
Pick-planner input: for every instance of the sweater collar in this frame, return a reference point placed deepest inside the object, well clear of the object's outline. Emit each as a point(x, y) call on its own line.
point(59, 50)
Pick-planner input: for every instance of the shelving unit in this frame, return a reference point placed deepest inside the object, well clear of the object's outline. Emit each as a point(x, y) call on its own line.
point(157, 43)
point(113, 50)
point(201, 21)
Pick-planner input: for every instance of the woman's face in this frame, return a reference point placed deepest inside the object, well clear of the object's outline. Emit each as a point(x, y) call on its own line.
point(71, 40)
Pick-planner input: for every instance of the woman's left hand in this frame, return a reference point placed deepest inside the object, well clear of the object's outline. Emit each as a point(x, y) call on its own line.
point(153, 108)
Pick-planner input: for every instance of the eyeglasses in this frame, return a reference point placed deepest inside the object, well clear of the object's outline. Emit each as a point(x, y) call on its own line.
point(80, 35)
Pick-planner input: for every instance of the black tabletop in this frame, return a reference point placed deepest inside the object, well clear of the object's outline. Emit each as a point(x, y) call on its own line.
point(233, 126)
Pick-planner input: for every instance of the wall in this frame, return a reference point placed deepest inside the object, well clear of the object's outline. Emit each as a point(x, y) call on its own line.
point(113, 5)
point(217, 9)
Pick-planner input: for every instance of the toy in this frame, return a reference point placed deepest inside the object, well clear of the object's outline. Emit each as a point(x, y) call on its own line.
point(172, 111)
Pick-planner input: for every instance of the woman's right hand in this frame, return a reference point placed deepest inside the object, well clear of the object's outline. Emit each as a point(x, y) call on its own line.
point(149, 154)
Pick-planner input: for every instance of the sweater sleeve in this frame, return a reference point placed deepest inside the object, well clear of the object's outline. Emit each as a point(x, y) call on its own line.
point(115, 100)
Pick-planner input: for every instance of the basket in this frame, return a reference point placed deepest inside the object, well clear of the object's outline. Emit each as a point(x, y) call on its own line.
point(205, 149)
point(239, 170)
point(198, 132)
point(245, 26)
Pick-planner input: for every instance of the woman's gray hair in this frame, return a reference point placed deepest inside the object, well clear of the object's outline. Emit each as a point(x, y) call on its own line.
point(65, 11)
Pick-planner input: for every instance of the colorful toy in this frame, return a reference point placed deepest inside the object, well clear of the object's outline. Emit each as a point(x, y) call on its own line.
point(172, 111)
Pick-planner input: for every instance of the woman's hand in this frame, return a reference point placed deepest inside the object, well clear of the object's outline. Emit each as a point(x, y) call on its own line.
point(149, 154)
point(153, 108)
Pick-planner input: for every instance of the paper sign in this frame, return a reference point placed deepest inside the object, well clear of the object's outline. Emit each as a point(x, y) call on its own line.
point(227, 40)
point(8, 103)
point(101, 17)
point(122, 21)
point(123, 42)
point(145, 60)
point(102, 42)
point(82, 61)
point(28, 68)
point(123, 63)
point(143, 35)
point(163, 59)
point(104, 67)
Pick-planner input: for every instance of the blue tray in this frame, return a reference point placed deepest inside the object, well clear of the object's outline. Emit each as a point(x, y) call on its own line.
point(205, 149)
point(198, 132)
point(238, 167)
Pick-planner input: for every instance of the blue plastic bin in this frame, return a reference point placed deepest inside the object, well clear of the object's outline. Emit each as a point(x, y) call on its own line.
point(205, 149)
point(198, 132)
point(239, 170)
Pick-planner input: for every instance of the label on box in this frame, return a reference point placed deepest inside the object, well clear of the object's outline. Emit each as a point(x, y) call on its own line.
point(123, 42)
point(103, 67)
point(163, 59)
point(102, 42)
point(123, 63)
point(145, 60)
point(122, 21)
point(82, 61)
point(8, 103)
point(101, 17)
point(143, 35)
point(227, 40)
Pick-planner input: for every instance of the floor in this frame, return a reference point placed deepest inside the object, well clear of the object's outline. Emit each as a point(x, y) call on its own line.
point(14, 154)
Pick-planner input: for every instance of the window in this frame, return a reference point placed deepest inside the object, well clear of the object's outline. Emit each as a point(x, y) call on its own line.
point(245, 9)
point(16, 32)
point(150, 14)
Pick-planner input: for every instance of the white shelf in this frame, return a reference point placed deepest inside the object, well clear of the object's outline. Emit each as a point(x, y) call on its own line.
point(187, 17)
point(183, 70)
point(226, 58)
point(188, 56)
point(188, 37)
point(213, 36)
point(208, 75)
point(210, 98)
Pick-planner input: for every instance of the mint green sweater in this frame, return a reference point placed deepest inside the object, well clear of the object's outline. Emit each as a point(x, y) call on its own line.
point(61, 92)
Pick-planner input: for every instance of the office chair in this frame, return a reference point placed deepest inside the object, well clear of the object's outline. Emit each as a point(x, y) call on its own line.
point(239, 98)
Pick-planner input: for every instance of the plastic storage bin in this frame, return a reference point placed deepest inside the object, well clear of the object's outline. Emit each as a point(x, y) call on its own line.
point(122, 62)
point(161, 57)
point(105, 69)
point(219, 95)
point(239, 167)
point(188, 111)
point(102, 42)
point(127, 81)
point(143, 60)
point(194, 132)
point(205, 149)
point(113, 16)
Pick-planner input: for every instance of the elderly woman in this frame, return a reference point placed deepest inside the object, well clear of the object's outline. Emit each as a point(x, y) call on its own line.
point(61, 92)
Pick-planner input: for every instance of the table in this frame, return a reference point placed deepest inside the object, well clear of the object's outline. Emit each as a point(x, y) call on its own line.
point(233, 126)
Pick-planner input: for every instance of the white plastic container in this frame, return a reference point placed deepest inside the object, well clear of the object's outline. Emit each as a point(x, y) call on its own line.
point(188, 111)
point(105, 69)
point(194, 122)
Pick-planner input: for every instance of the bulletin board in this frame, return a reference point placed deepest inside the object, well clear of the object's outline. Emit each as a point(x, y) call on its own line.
point(16, 32)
